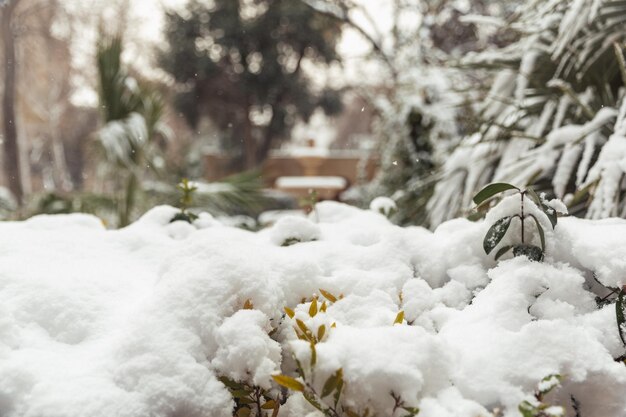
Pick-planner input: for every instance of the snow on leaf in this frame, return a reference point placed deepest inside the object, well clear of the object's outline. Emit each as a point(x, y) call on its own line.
point(496, 233)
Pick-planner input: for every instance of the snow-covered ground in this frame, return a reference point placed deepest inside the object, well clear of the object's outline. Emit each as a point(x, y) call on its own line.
point(142, 321)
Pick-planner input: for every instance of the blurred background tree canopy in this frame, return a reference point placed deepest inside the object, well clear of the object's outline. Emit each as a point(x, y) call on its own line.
point(240, 63)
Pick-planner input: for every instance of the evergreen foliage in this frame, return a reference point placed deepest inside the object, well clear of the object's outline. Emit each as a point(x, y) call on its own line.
point(241, 64)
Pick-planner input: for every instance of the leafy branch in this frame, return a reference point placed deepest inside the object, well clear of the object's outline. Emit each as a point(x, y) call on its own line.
point(498, 230)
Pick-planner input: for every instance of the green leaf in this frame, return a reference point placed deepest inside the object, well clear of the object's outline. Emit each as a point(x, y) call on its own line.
point(553, 382)
point(399, 318)
point(548, 211)
point(532, 252)
point(240, 393)
point(337, 395)
point(491, 190)
point(412, 410)
point(621, 316)
point(288, 382)
point(496, 233)
point(551, 214)
point(332, 383)
point(527, 409)
point(502, 251)
point(245, 400)
point(534, 197)
point(232, 385)
point(542, 235)
point(311, 399)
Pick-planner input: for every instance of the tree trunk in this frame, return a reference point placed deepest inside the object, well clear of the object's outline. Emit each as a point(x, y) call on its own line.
point(268, 136)
point(250, 147)
point(11, 145)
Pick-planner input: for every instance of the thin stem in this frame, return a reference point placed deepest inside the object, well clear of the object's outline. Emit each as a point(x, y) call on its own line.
point(613, 292)
point(257, 400)
point(522, 217)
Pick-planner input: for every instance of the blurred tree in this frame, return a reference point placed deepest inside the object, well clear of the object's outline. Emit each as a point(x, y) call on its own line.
point(11, 145)
point(132, 113)
point(418, 104)
point(240, 63)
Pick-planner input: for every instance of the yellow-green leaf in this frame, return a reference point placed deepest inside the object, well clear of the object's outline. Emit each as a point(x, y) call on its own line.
point(351, 413)
point(290, 312)
point(243, 412)
point(269, 405)
point(313, 308)
point(288, 382)
point(332, 383)
point(240, 393)
point(323, 307)
point(303, 327)
point(399, 318)
point(321, 331)
point(328, 296)
point(311, 399)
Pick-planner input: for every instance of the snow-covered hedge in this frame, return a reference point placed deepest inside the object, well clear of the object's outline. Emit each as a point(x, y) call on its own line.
point(173, 319)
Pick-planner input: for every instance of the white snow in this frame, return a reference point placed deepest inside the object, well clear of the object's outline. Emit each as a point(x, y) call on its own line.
point(142, 321)
point(383, 205)
point(312, 182)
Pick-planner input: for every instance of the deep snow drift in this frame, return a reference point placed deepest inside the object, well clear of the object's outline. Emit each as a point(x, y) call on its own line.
point(141, 321)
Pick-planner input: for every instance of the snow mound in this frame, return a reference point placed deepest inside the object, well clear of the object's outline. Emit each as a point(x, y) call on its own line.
point(150, 319)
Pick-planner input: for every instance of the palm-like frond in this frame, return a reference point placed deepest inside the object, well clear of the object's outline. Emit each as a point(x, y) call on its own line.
point(238, 194)
point(553, 104)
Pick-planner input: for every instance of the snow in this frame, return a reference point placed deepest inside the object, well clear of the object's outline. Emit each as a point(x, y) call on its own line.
point(294, 229)
point(383, 205)
point(142, 321)
point(312, 182)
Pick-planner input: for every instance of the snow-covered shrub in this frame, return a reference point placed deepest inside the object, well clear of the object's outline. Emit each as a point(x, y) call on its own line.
point(535, 406)
point(167, 319)
point(527, 206)
point(246, 357)
point(291, 230)
point(320, 380)
point(550, 113)
point(384, 205)
point(187, 190)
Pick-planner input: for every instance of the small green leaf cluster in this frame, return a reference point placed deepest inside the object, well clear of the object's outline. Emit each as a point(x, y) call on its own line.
point(292, 241)
point(498, 230)
point(537, 407)
point(251, 400)
point(187, 190)
point(309, 203)
point(329, 399)
point(303, 332)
